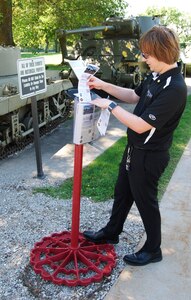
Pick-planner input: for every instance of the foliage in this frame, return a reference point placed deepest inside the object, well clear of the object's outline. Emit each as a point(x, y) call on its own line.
point(36, 21)
point(1, 18)
point(179, 21)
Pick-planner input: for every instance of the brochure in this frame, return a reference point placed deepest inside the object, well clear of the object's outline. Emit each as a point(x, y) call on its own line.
point(89, 122)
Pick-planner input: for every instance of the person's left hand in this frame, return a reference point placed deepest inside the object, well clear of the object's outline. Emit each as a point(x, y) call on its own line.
point(101, 102)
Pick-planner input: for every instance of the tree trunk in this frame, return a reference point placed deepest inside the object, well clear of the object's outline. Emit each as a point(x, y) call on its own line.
point(6, 34)
point(47, 45)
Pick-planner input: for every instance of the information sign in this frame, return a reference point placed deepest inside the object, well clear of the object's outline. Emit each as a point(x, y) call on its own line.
point(31, 76)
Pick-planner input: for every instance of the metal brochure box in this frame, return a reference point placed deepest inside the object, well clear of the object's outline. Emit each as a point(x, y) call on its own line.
point(86, 116)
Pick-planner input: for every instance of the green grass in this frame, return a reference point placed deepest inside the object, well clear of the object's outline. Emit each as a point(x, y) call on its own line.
point(57, 67)
point(32, 54)
point(99, 177)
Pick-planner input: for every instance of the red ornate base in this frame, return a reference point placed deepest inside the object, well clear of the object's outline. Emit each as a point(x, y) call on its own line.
point(56, 260)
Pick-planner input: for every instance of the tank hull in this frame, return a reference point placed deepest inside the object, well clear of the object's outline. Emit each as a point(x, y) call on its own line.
point(114, 47)
point(16, 120)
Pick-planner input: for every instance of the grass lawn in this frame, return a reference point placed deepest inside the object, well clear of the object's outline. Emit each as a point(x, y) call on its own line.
point(99, 177)
point(34, 54)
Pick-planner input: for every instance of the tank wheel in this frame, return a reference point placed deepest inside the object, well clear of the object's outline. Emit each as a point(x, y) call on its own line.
point(22, 127)
point(28, 122)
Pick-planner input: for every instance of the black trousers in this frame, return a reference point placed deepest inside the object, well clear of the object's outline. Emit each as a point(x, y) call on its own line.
point(139, 185)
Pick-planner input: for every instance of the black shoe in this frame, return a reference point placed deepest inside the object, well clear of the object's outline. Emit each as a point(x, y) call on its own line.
point(142, 258)
point(100, 237)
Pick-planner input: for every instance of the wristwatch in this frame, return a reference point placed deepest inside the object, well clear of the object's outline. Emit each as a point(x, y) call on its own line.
point(111, 106)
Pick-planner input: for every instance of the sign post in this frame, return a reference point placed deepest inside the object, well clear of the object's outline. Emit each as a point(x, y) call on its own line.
point(32, 81)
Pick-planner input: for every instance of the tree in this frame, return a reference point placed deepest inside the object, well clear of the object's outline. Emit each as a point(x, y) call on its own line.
point(6, 35)
point(35, 21)
point(180, 22)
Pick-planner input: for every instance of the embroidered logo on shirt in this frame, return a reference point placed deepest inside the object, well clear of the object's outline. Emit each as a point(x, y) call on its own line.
point(149, 95)
point(152, 117)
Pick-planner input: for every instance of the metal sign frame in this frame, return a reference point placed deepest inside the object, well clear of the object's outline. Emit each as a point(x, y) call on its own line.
point(31, 76)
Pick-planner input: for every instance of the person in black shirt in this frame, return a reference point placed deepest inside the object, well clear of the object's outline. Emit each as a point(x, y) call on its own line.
point(161, 100)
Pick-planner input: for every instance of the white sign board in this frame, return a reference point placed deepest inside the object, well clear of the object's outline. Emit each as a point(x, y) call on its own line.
point(31, 76)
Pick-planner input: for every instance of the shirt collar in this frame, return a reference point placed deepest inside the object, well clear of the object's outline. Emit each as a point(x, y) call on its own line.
point(168, 73)
point(155, 75)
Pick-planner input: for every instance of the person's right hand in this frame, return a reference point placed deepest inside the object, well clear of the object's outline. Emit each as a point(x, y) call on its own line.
point(95, 83)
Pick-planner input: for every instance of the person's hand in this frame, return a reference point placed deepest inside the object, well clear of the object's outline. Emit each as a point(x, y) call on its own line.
point(95, 83)
point(101, 102)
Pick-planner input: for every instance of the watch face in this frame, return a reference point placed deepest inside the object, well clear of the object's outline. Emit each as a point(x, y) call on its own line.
point(112, 106)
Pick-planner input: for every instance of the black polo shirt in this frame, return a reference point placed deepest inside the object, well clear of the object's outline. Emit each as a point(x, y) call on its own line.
point(161, 104)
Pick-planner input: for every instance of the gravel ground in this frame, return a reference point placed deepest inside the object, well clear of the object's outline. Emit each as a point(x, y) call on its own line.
point(25, 218)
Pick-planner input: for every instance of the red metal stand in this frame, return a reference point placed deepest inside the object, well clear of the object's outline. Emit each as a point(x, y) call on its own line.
point(68, 258)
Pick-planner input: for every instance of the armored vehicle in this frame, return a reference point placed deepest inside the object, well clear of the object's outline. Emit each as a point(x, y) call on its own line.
point(16, 124)
point(113, 46)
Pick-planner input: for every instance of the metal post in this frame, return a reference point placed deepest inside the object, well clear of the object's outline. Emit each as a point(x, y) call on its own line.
point(78, 157)
point(40, 173)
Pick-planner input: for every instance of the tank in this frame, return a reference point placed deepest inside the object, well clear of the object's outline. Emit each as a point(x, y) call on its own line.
point(16, 123)
point(113, 46)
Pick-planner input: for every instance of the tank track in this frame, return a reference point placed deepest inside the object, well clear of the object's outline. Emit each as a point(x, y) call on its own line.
point(18, 146)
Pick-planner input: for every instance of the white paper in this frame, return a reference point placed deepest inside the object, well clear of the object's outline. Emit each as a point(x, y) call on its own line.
point(83, 73)
point(83, 88)
point(89, 123)
point(78, 66)
point(103, 121)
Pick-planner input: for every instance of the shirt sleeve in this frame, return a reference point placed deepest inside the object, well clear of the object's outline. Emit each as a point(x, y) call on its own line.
point(138, 90)
point(166, 105)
